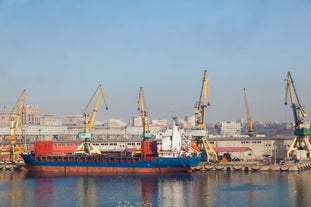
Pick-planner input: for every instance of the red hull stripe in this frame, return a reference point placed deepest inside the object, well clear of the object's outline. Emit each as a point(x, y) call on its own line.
point(102, 170)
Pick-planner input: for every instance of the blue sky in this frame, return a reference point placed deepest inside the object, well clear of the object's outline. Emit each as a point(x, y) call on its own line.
point(59, 51)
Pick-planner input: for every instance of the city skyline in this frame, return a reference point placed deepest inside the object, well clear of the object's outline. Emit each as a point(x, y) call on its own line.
point(60, 51)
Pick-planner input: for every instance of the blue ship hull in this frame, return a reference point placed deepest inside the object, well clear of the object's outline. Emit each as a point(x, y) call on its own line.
point(102, 164)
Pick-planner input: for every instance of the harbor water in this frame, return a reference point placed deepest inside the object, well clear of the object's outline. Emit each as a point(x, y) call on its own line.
point(211, 188)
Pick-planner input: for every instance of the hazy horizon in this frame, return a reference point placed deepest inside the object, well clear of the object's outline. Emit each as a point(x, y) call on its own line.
point(59, 51)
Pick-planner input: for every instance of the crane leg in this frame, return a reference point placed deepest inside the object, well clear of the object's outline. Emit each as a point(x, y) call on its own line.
point(207, 150)
point(12, 153)
point(299, 143)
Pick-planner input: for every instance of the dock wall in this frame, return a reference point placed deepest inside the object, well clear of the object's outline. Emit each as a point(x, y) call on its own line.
point(254, 166)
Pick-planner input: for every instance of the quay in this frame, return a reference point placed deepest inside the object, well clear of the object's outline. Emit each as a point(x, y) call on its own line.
point(289, 166)
point(8, 166)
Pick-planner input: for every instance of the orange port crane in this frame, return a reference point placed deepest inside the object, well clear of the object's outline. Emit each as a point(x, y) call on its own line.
point(15, 119)
point(248, 117)
point(87, 135)
point(301, 141)
point(200, 133)
point(143, 114)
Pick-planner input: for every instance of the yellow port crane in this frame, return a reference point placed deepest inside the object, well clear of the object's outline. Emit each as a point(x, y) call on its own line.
point(141, 107)
point(86, 135)
point(15, 119)
point(248, 117)
point(301, 141)
point(199, 132)
point(143, 114)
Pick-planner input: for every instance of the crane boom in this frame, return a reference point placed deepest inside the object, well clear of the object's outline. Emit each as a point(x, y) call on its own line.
point(298, 110)
point(301, 141)
point(17, 112)
point(248, 117)
point(15, 119)
point(89, 123)
point(143, 114)
point(201, 105)
point(200, 132)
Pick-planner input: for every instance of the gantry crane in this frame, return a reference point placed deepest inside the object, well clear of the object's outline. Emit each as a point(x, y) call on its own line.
point(143, 115)
point(15, 119)
point(248, 117)
point(301, 141)
point(199, 132)
point(86, 135)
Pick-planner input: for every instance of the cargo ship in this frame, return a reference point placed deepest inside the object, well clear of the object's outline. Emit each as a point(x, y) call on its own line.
point(149, 161)
point(87, 158)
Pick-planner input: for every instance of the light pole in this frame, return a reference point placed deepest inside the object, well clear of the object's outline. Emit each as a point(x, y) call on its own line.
point(275, 147)
point(24, 136)
point(125, 132)
point(39, 134)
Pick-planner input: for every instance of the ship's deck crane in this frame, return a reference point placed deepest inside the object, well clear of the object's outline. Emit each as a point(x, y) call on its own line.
point(86, 135)
point(199, 133)
point(15, 119)
point(248, 117)
point(301, 141)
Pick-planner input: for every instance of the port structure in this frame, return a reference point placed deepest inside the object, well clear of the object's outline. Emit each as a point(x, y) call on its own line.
point(141, 107)
point(148, 147)
point(301, 141)
point(143, 113)
point(248, 117)
point(15, 120)
point(199, 132)
point(87, 147)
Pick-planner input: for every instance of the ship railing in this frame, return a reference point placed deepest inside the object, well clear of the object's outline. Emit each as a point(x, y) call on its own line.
point(87, 159)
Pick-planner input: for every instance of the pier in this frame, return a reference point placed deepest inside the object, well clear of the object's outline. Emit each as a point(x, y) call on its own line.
point(8, 166)
point(289, 166)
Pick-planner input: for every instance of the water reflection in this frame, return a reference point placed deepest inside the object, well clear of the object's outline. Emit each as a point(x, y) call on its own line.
point(251, 189)
point(116, 189)
point(247, 187)
point(196, 189)
point(301, 189)
point(10, 189)
point(43, 191)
